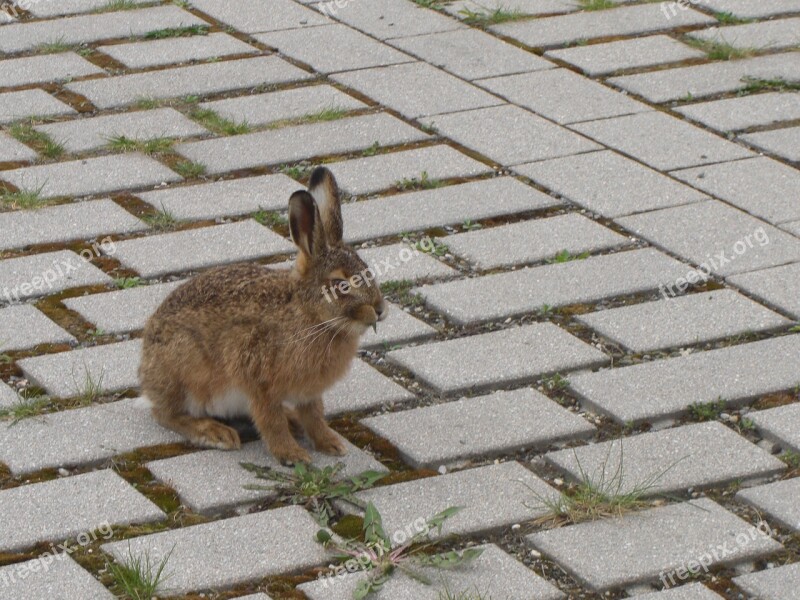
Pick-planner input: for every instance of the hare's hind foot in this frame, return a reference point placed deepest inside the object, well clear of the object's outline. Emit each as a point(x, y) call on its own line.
point(204, 432)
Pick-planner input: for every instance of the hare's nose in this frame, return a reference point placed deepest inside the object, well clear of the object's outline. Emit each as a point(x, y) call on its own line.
point(381, 310)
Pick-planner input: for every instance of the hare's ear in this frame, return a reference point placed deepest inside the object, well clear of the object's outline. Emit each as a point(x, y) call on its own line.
point(323, 188)
point(305, 225)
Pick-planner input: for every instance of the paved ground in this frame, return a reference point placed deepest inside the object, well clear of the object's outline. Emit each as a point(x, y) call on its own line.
point(614, 194)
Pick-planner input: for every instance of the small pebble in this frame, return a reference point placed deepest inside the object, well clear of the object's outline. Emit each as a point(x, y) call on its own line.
point(63, 472)
point(558, 481)
point(442, 470)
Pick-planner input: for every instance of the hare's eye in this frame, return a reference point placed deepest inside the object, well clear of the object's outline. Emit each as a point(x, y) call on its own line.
point(337, 282)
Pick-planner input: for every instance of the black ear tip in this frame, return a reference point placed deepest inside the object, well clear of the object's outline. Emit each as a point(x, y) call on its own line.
point(318, 177)
point(303, 198)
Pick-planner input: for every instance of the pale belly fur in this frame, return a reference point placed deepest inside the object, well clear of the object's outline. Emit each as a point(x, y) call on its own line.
point(231, 404)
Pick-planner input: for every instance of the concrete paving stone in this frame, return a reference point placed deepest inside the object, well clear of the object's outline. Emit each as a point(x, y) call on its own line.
point(230, 197)
point(779, 286)
point(39, 69)
point(74, 221)
point(8, 396)
point(493, 496)
point(261, 109)
point(700, 81)
point(532, 241)
point(90, 28)
point(752, 9)
point(244, 549)
point(62, 439)
point(401, 261)
point(637, 53)
point(23, 327)
point(69, 7)
point(510, 134)
point(499, 423)
point(680, 144)
point(361, 176)
point(354, 50)
point(29, 103)
point(252, 16)
point(363, 388)
point(200, 248)
point(664, 389)
point(91, 175)
point(782, 142)
point(386, 19)
point(733, 114)
point(80, 135)
point(777, 500)
point(724, 249)
point(63, 578)
point(761, 186)
point(474, 363)
point(156, 53)
point(13, 151)
point(471, 54)
point(701, 455)
point(683, 321)
point(778, 34)
point(398, 328)
point(792, 228)
point(437, 207)
point(625, 20)
point(563, 96)
point(779, 583)
point(426, 89)
point(207, 78)
point(620, 552)
point(212, 480)
point(690, 591)
point(493, 572)
point(609, 184)
point(48, 273)
point(63, 508)
point(298, 143)
point(121, 311)
point(527, 7)
point(780, 425)
point(526, 290)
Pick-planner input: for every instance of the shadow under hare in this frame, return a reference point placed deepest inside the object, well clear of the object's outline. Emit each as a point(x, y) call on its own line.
point(247, 340)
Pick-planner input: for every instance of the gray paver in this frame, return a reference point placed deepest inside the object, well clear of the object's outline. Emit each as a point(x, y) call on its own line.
point(398, 328)
point(779, 287)
point(690, 591)
point(761, 186)
point(375, 173)
point(792, 228)
point(69, 7)
point(683, 320)
point(609, 184)
point(780, 425)
point(140, 55)
point(773, 584)
point(700, 455)
point(63, 578)
point(200, 79)
point(354, 50)
point(574, 282)
point(527, 7)
point(363, 388)
point(27, 103)
point(732, 114)
point(472, 363)
point(200, 248)
point(252, 16)
point(37, 69)
point(24, 326)
point(385, 19)
point(772, 35)
point(212, 480)
point(13, 151)
point(8, 396)
point(619, 552)
point(59, 439)
point(244, 549)
point(48, 273)
point(110, 368)
point(752, 9)
point(90, 28)
point(499, 423)
point(224, 198)
point(80, 135)
point(663, 389)
point(417, 80)
point(297, 143)
point(74, 221)
point(684, 230)
point(510, 134)
point(782, 142)
point(533, 241)
point(62, 508)
point(563, 96)
point(680, 144)
point(91, 175)
point(471, 54)
point(404, 262)
point(778, 500)
point(626, 20)
point(602, 59)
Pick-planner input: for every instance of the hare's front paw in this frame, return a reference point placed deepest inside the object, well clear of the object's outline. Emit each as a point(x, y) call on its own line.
point(290, 454)
point(210, 433)
point(329, 442)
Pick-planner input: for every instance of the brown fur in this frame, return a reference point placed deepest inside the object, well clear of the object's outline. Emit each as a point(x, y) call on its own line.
point(265, 332)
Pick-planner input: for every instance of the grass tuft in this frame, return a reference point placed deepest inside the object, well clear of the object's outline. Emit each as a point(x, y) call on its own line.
point(491, 17)
point(126, 283)
point(423, 182)
point(25, 407)
point(473, 594)
point(90, 390)
point(115, 5)
point(213, 121)
point(56, 47)
point(754, 85)
point(720, 50)
point(23, 199)
point(269, 218)
point(152, 146)
point(400, 291)
point(139, 577)
point(171, 32)
point(567, 256)
point(728, 18)
point(39, 141)
point(706, 411)
point(596, 4)
point(189, 170)
point(162, 220)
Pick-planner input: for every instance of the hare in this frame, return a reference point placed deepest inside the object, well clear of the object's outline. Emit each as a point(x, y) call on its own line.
point(246, 340)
